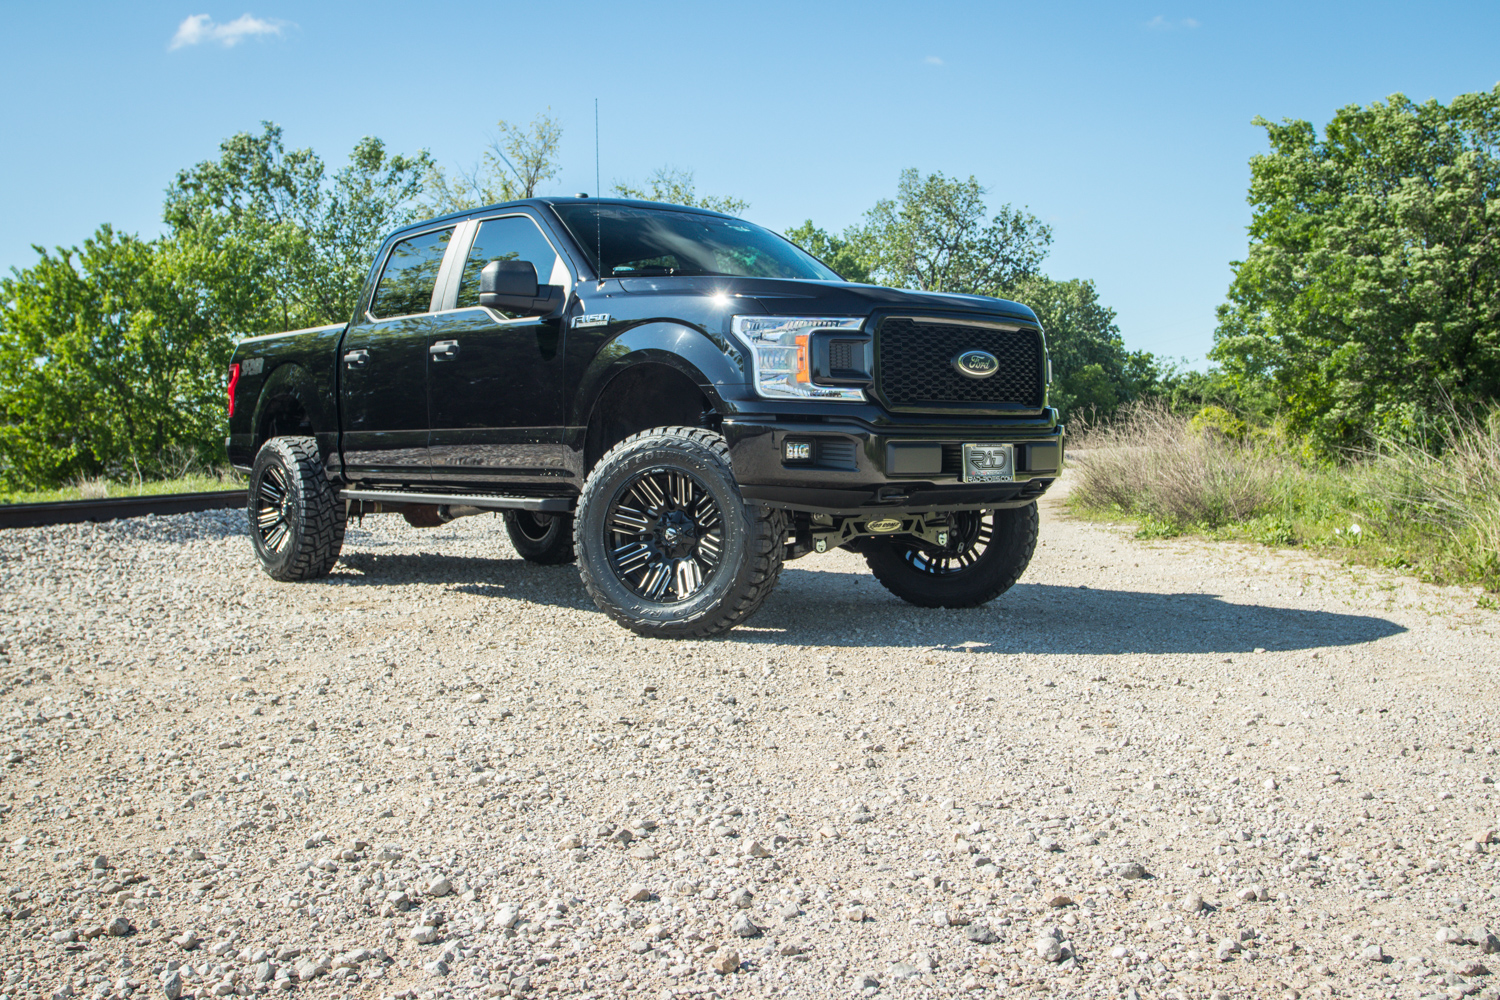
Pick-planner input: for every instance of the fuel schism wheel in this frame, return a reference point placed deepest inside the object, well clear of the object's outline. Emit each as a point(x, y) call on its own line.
point(666, 546)
point(986, 554)
point(296, 524)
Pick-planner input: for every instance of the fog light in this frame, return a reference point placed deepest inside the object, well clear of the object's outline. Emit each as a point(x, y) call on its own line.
point(797, 451)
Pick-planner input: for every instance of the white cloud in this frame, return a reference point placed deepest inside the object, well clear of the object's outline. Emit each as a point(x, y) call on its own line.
point(1159, 23)
point(933, 61)
point(201, 28)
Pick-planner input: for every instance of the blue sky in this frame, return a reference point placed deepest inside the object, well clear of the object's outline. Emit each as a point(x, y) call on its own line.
point(1125, 125)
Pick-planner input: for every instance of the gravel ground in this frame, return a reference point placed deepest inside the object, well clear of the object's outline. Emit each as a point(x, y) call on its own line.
point(1150, 770)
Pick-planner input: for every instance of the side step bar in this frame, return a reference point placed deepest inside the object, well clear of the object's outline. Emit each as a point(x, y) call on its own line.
point(547, 505)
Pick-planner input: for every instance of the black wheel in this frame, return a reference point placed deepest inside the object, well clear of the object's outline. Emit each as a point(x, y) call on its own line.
point(666, 546)
point(986, 554)
point(546, 539)
point(296, 523)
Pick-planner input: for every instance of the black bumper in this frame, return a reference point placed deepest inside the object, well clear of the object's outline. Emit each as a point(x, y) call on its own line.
point(855, 468)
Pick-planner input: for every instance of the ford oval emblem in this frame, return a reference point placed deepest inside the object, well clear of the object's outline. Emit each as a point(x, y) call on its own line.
point(977, 364)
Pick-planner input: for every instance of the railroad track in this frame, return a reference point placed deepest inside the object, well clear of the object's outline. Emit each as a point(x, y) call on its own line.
point(30, 515)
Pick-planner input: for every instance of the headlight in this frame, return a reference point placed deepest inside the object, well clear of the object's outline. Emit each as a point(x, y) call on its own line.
point(779, 359)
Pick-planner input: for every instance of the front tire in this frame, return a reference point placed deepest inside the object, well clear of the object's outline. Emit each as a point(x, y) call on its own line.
point(986, 554)
point(666, 545)
point(545, 539)
point(296, 524)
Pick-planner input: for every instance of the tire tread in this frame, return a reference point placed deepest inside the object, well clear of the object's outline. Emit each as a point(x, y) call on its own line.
point(765, 544)
point(317, 545)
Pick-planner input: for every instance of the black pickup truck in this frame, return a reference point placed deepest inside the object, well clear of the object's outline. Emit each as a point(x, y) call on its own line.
point(676, 398)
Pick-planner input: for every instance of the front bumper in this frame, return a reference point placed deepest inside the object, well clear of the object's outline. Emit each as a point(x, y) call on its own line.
point(856, 468)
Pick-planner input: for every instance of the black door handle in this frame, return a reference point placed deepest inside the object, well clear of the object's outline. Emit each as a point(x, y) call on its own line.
point(443, 350)
point(356, 359)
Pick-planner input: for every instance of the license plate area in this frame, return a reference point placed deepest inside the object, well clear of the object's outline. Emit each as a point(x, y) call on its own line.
point(989, 463)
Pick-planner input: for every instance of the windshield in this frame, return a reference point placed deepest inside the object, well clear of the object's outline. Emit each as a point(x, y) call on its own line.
point(637, 242)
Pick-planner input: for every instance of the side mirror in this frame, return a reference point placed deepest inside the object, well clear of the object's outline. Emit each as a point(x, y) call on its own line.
point(511, 286)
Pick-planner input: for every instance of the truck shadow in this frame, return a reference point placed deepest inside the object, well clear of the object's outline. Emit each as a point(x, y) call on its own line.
point(515, 578)
point(1047, 618)
point(832, 608)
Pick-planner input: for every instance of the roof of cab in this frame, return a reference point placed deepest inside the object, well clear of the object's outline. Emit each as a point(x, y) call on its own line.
point(539, 202)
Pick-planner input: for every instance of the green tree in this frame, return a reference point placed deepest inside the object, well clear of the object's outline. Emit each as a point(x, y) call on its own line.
point(835, 251)
point(111, 357)
point(297, 242)
point(1091, 369)
point(522, 159)
point(1369, 299)
point(675, 187)
point(937, 236)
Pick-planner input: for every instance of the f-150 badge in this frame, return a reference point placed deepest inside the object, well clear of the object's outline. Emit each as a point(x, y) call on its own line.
point(590, 319)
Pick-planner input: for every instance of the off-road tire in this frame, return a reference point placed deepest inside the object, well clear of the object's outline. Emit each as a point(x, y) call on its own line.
point(296, 520)
point(898, 562)
point(545, 539)
point(750, 544)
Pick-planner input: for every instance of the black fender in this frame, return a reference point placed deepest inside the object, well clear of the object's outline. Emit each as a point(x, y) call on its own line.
point(292, 382)
point(713, 363)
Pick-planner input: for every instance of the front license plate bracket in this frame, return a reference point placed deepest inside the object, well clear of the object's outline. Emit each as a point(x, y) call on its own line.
point(989, 463)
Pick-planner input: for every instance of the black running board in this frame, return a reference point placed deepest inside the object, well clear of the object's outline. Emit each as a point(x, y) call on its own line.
point(548, 505)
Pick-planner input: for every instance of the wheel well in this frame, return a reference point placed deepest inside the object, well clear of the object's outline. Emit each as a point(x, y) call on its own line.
point(642, 397)
point(283, 417)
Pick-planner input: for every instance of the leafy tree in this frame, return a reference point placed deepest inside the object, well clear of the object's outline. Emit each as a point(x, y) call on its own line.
point(675, 187)
point(835, 251)
point(297, 243)
point(1369, 299)
point(937, 236)
point(515, 165)
point(111, 356)
point(1091, 369)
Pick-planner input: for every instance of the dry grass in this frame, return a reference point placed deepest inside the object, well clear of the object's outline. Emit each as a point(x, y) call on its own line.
point(1434, 511)
point(1453, 489)
point(1151, 464)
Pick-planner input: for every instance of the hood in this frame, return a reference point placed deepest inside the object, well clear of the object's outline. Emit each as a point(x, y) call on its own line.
point(824, 298)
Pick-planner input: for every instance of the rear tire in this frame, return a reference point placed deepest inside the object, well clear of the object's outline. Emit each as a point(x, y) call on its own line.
point(666, 545)
point(987, 552)
point(296, 523)
point(545, 539)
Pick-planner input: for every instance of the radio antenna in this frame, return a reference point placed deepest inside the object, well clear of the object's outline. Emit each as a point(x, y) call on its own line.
point(598, 208)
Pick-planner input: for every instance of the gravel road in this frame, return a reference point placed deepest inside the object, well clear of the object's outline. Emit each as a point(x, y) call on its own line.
point(1150, 770)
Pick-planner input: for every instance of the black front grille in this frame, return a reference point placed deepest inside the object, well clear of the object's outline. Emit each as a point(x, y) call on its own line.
point(916, 364)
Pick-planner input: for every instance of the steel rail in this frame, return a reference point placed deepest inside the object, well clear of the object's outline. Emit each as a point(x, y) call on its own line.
point(31, 515)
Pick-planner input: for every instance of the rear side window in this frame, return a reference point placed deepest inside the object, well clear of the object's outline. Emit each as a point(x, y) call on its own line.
point(513, 238)
point(410, 274)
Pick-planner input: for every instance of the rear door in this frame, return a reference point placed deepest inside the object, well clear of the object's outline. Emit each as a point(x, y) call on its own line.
point(494, 379)
point(384, 362)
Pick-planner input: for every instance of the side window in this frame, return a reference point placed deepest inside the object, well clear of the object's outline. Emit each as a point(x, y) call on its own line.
point(411, 271)
point(512, 238)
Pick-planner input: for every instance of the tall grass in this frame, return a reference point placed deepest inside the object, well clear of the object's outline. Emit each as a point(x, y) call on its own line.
point(1434, 510)
point(1152, 463)
point(1452, 490)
